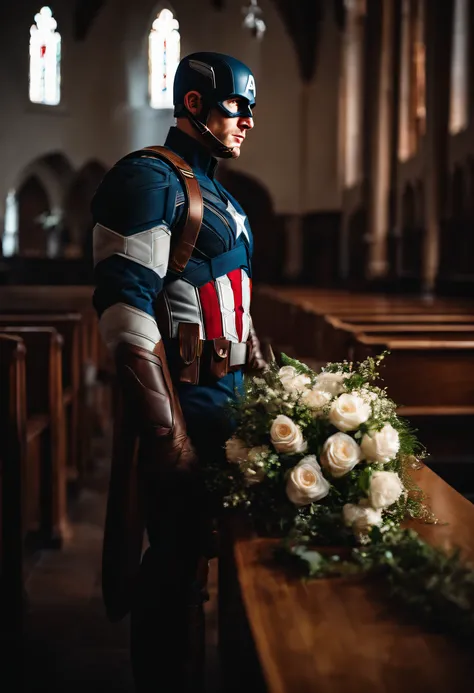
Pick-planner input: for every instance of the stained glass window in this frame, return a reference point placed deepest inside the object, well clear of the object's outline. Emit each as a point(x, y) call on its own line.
point(45, 59)
point(163, 57)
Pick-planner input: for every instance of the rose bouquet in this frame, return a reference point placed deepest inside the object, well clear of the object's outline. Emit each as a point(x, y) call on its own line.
point(323, 459)
point(322, 456)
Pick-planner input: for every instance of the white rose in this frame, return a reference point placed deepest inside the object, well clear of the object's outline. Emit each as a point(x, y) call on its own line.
point(385, 489)
point(348, 412)
point(287, 436)
point(381, 446)
point(361, 517)
point(331, 382)
point(254, 471)
point(340, 454)
point(292, 381)
point(287, 372)
point(306, 482)
point(235, 450)
point(315, 399)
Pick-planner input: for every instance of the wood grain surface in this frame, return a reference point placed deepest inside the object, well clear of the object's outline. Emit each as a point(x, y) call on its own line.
point(345, 635)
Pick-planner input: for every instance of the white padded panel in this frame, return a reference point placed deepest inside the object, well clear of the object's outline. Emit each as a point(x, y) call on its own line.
point(124, 323)
point(184, 305)
point(150, 248)
point(227, 305)
point(246, 306)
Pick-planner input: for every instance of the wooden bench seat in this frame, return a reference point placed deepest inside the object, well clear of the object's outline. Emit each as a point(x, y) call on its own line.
point(12, 463)
point(297, 318)
point(337, 336)
point(44, 475)
point(72, 329)
point(433, 384)
point(339, 635)
point(442, 370)
point(96, 363)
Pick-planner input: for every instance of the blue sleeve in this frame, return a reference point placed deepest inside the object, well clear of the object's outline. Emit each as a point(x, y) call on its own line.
point(135, 195)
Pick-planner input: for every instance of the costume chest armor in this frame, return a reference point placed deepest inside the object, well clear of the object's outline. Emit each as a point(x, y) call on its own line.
point(215, 289)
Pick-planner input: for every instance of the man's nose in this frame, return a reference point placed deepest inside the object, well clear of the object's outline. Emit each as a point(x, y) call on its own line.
point(246, 123)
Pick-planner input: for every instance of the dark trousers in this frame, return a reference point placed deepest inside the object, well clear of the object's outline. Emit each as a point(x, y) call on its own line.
point(167, 630)
point(167, 622)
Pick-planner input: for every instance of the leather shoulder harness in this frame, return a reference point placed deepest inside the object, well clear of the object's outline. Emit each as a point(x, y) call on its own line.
point(187, 230)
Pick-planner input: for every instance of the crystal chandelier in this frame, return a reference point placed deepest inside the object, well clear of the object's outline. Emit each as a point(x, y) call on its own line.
point(253, 19)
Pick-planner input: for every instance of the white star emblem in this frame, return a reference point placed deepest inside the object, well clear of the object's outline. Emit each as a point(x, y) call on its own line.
point(239, 220)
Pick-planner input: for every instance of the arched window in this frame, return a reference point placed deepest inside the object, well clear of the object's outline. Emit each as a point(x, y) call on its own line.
point(45, 59)
point(10, 231)
point(163, 59)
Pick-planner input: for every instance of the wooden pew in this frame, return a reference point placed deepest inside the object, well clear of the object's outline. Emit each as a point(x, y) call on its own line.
point(13, 423)
point(338, 335)
point(339, 635)
point(58, 299)
point(294, 319)
point(44, 489)
point(433, 382)
point(442, 370)
point(69, 326)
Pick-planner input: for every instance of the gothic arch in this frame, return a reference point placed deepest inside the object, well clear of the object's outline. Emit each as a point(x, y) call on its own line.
point(77, 217)
point(54, 171)
point(33, 206)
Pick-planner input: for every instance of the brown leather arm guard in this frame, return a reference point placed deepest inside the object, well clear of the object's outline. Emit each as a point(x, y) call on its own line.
point(147, 386)
point(154, 476)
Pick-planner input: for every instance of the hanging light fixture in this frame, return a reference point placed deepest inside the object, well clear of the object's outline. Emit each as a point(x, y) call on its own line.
point(253, 19)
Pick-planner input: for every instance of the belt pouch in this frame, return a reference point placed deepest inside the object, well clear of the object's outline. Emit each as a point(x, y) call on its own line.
point(219, 357)
point(189, 352)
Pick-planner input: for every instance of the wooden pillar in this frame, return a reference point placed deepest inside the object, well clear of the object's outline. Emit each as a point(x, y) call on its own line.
point(438, 19)
point(351, 131)
point(382, 144)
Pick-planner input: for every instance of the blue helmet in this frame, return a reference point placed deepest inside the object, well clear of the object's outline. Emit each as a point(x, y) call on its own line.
point(216, 77)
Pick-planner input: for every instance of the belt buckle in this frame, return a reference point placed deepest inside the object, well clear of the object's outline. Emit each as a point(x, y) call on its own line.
point(238, 354)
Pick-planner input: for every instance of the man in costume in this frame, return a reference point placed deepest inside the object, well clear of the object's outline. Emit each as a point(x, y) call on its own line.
point(172, 265)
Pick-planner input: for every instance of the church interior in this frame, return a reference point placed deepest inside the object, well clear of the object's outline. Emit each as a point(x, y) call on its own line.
point(358, 183)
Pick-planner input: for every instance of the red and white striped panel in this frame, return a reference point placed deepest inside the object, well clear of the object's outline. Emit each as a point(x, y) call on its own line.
point(221, 308)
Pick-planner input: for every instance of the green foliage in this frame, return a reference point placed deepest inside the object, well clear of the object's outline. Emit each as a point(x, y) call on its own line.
point(436, 586)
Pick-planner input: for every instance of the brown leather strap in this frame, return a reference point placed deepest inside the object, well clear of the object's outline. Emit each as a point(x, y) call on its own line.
point(184, 241)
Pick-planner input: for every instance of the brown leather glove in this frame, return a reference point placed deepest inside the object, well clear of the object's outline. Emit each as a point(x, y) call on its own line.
point(148, 388)
point(255, 359)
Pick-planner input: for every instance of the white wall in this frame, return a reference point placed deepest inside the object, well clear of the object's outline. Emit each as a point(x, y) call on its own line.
point(104, 111)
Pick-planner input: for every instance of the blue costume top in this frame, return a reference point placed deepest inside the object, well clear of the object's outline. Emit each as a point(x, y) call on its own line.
point(139, 194)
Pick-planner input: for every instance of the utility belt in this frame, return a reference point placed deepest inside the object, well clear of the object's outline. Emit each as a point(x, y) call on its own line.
point(203, 361)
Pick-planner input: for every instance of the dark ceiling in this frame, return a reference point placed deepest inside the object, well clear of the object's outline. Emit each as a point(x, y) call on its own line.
point(302, 20)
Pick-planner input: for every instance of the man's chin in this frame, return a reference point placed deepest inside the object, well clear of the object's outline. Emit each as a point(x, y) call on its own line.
point(235, 150)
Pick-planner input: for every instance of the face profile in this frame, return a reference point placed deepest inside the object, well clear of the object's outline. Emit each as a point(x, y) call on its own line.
point(231, 131)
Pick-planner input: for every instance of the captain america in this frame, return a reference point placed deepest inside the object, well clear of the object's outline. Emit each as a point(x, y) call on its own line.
point(173, 283)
